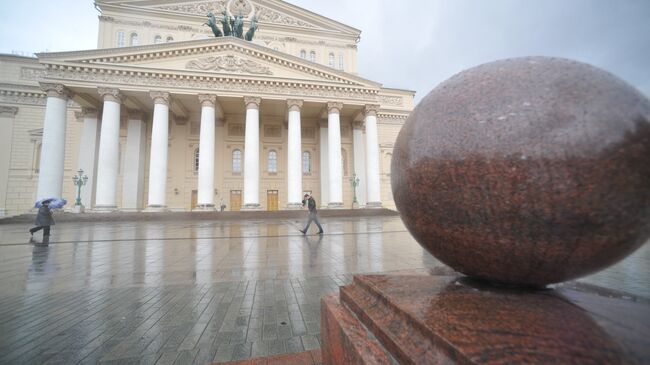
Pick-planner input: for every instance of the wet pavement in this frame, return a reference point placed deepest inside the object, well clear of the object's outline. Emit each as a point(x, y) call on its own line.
point(198, 291)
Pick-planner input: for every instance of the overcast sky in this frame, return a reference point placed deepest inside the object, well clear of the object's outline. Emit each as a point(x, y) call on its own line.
point(411, 44)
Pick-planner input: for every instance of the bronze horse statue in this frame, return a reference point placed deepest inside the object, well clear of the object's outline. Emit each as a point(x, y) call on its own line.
point(212, 23)
point(251, 31)
point(227, 31)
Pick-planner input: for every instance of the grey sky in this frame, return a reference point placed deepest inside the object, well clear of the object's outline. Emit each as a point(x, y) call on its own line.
point(411, 44)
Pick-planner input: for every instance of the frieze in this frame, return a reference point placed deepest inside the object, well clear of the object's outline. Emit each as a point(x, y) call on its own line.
point(262, 13)
point(8, 111)
point(218, 85)
point(394, 119)
point(32, 74)
point(229, 63)
point(390, 100)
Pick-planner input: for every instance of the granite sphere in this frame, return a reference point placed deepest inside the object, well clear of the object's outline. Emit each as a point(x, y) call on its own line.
point(527, 171)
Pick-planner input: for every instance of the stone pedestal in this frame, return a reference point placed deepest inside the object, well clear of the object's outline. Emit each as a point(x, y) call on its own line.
point(78, 209)
point(434, 319)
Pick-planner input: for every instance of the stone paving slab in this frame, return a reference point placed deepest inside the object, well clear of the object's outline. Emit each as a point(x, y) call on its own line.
point(197, 292)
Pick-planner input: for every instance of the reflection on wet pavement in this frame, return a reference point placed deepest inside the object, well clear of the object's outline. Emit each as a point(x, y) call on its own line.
point(198, 291)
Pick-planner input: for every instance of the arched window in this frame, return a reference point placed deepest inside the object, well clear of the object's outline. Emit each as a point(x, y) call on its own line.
point(312, 56)
point(341, 63)
point(273, 161)
point(303, 54)
point(344, 161)
point(121, 40)
point(196, 160)
point(236, 161)
point(157, 39)
point(170, 39)
point(134, 39)
point(306, 162)
point(331, 61)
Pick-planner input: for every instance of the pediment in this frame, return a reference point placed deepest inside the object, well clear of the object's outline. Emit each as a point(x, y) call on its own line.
point(268, 12)
point(223, 57)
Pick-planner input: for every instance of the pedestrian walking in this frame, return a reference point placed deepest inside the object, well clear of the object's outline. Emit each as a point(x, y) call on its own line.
point(313, 214)
point(43, 221)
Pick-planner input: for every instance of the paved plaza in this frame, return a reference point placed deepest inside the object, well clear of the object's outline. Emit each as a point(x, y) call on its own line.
point(198, 291)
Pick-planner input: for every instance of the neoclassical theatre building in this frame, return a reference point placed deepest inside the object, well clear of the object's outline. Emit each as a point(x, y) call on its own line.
point(166, 116)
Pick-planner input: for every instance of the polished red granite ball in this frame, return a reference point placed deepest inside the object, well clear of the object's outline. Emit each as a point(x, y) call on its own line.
point(527, 171)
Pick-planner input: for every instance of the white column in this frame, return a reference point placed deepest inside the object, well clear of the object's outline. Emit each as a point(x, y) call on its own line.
point(50, 179)
point(359, 161)
point(294, 156)
point(324, 164)
point(335, 177)
point(88, 150)
point(252, 154)
point(109, 151)
point(205, 198)
point(159, 151)
point(372, 158)
point(7, 116)
point(133, 176)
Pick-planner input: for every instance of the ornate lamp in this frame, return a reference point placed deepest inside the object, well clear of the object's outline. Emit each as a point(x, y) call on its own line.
point(354, 180)
point(79, 180)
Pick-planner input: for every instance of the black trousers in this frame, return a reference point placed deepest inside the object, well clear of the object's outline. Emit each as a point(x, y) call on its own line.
point(46, 230)
point(314, 218)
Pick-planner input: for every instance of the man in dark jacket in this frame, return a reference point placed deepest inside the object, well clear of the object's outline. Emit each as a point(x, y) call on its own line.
point(43, 220)
point(313, 214)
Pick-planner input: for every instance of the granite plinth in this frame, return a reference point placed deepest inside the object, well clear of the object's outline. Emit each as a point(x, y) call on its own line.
point(527, 171)
point(442, 319)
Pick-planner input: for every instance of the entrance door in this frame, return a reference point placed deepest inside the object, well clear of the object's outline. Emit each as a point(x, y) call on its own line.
point(272, 200)
point(195, 195)
point(235, 200)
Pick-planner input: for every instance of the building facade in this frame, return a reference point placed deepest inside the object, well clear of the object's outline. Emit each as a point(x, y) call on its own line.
point(165, 116)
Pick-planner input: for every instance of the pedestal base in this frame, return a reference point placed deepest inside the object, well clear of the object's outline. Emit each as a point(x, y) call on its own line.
point(251, 207)
point(294, 206)
point(78, 209)
point(156, 209)
point(204, 208)
point(335, 206)
point(104, 209)
point(373, 205)
point(433, 319)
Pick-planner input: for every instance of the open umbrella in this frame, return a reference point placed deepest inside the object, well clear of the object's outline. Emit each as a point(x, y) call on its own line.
point(55, 203)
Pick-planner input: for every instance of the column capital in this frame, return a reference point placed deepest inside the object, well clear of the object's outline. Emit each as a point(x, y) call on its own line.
point(334, 107)
point(8, 111)
point(358, 125)
point(371, 110)
point(207, 99)
point(135, 114)
point(252, 102)
point(294, 104)
point(55, 90)
point(160, 97)
point(86, 113)
point(110, 94)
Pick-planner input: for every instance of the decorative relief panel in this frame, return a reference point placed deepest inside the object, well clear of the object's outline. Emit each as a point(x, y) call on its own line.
point(35, 74)
point(195, 128)
point(229, 63)
point(390, 100)
point(308, 132)
point(236, 130)
point(237, 7)
point(274, 131)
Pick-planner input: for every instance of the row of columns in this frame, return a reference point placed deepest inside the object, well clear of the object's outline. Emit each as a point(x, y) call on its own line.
point(107, 153)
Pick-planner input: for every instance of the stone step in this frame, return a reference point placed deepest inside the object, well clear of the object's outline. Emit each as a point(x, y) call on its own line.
point(176, 216)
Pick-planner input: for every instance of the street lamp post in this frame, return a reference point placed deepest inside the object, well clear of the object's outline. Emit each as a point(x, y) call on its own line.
point(354, 180)
point(79, 180)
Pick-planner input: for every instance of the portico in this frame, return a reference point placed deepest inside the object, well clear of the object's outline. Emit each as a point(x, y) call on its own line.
point(263, 132)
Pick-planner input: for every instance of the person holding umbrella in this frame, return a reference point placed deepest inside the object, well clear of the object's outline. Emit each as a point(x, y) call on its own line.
point(43, 220)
